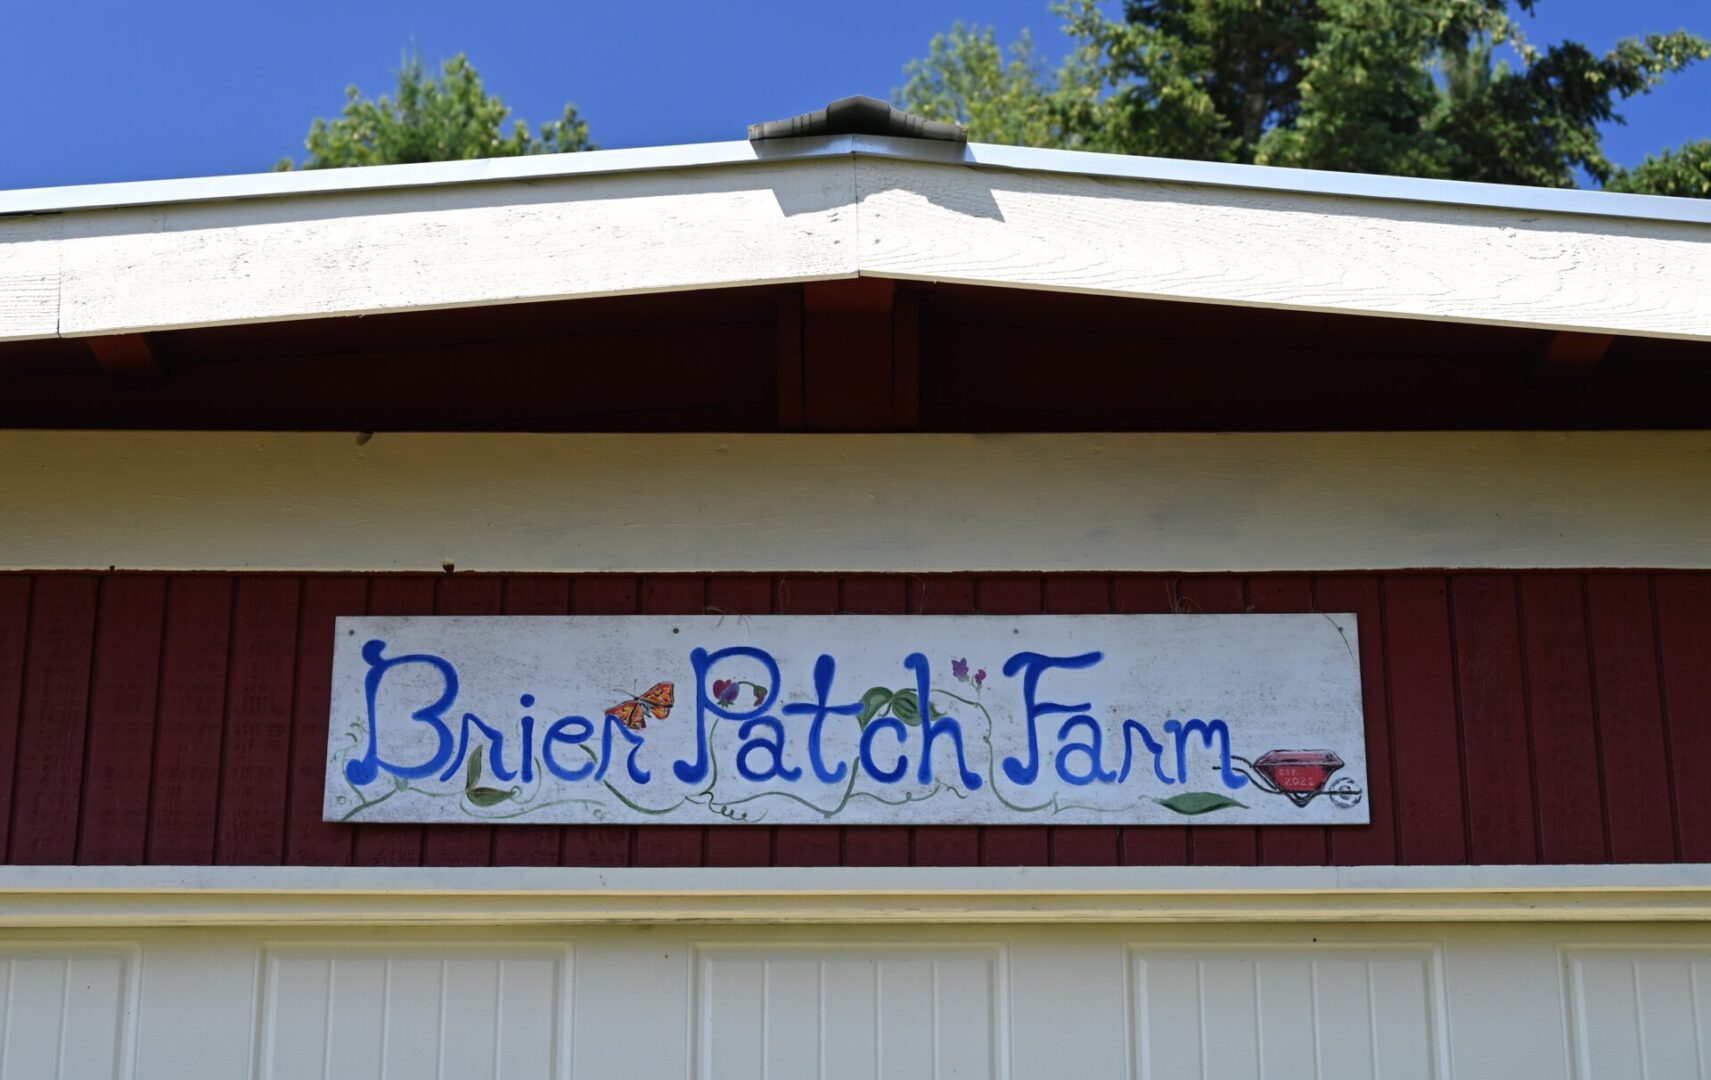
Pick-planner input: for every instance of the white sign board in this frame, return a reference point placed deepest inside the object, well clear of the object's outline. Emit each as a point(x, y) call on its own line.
point(848, 719)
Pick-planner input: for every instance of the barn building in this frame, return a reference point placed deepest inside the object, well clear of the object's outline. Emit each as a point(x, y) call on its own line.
point(854, 373)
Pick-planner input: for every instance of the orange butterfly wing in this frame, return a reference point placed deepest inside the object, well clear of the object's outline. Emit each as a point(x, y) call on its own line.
point(659, 697)
point(631, 714)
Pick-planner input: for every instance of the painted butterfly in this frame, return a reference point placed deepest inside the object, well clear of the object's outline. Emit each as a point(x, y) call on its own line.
point(657, 699)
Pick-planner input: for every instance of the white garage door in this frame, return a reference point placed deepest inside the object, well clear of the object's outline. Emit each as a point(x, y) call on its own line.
point(1592, 1001)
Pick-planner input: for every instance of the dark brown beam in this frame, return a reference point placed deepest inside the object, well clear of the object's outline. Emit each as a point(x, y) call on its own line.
point(1570, 355)
point(846, 355)
point(906, 362)
point(787, 350)
point(127, 358)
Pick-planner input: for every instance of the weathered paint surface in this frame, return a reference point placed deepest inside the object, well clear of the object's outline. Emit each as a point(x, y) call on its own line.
point(709, 719)
point(1091, 502)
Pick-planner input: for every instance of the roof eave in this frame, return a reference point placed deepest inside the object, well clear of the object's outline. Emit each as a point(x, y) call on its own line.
point(737, 153)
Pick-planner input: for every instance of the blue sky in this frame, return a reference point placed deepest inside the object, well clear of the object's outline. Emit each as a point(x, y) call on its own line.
point(102, 91)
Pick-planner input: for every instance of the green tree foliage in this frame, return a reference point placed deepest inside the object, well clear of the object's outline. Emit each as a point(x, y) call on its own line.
point(1000, 93)
point(1685, 172)
point(1404, 87)
point(448, 118)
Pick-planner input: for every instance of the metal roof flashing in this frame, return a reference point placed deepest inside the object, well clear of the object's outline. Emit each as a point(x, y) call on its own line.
point(774, 150)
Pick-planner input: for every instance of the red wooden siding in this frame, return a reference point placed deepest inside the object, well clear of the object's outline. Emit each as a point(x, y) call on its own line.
point(1511, 718)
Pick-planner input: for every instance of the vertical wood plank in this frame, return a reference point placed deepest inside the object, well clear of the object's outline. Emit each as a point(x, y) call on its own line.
point(787, 358)
point(1630, 721)
point(463, 845)
point(54, 721)
point(1217, 845)
point(1081, 845)
point(1374, 843)
point(1493, 719)
point(1684, 649)
point(258, 722)
point(672, 845)
point(601, 845)
point(15, 590)
point(846, 355)
point(309, 840)
point(739, 845)
point(1149, 845)
point(114, 825)
point(532, 845)
point(808, 845)
point(190, 728)
point(946, 845)
point(876, 845)
point(1428, 781)
point(1012, 845)
point(388, 844)
point(906, 361)
point(1568, 783)
point(1294, 845)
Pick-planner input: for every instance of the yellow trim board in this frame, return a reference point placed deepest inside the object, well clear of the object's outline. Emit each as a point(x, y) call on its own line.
point(133, 896)
point(853, 503)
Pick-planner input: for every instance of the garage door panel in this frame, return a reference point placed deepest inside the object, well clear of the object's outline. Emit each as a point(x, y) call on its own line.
point(353, 1050)
point(852, 990)
point(849, 1012)
point(64, 1013)
point(859, 1002)
point(1640, 1013)
point(1234, 986)
point(1284, 1004)
point(1256, 1010)
point(335, 1013)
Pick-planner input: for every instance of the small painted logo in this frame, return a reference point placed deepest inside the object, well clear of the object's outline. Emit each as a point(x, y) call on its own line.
point(1302, 776)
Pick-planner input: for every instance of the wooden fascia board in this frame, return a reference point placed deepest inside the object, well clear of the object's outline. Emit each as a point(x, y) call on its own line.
point(82, 272)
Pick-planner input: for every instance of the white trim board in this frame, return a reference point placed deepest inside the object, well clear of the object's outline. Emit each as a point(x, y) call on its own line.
point(250, 252)
point(91, 896)
point(515, 503)
point(50, 200)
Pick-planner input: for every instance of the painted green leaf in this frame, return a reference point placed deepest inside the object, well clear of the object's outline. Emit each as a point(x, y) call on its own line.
point(872, 702)
point(1198, 802)
point(906, 707)
point(472, 777)
point(486, 796)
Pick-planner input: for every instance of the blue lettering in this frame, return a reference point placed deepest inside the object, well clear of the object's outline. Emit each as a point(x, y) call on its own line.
point(1093, 748)
point(556, 734)
point(931, 729)
point(874, 727)
point(1033, 665)
point(636, 772)
point(773, 747)
point(363, 770)
point(693, 772)
point(528, 702)
point(496, 746)
point(1207, 731)
point(1132, 728)
point(824, 669)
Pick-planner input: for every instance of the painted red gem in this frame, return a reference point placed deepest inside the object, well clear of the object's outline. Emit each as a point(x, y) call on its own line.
point(1299, 774)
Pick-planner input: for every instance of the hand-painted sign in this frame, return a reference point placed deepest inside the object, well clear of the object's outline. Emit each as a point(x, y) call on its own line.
point(1121, 719)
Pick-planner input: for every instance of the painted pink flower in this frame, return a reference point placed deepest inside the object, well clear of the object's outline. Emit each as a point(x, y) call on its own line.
point(959, 668)
point(724, 691)
point(979, 676)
